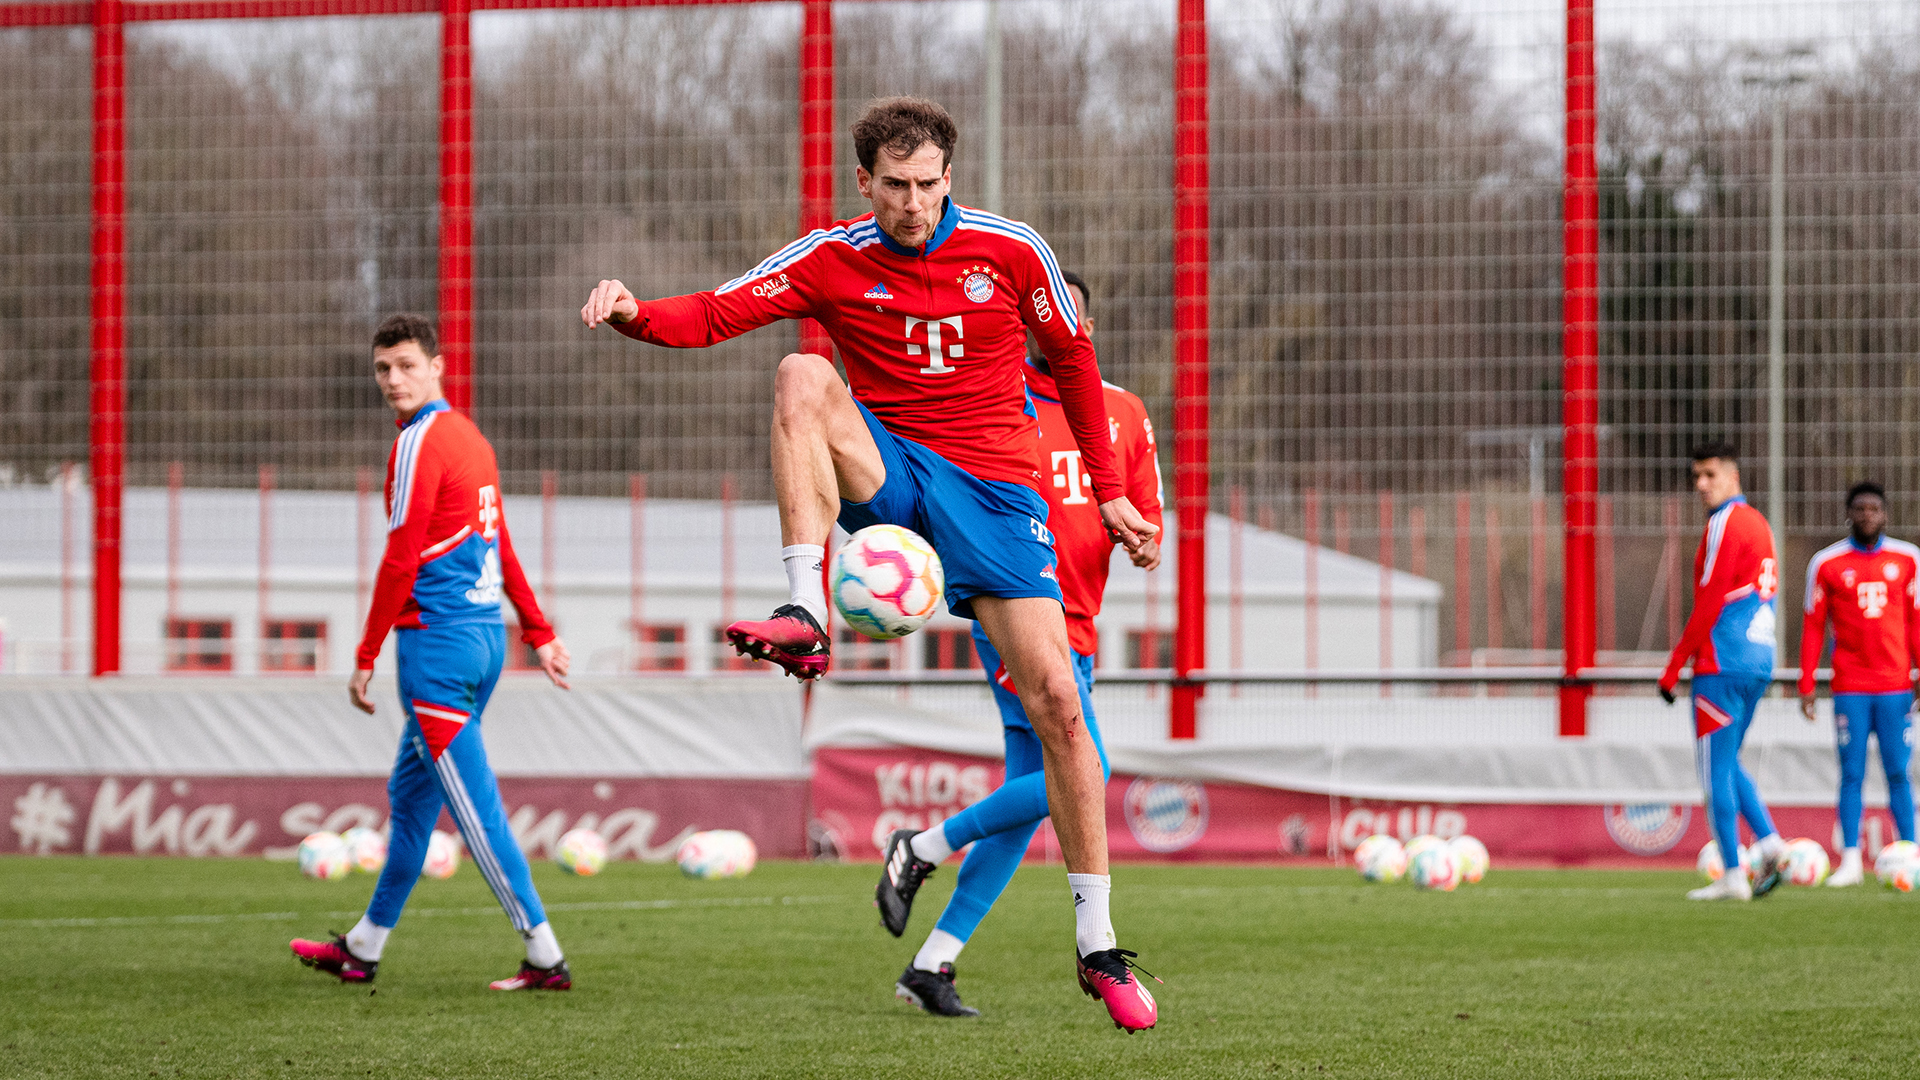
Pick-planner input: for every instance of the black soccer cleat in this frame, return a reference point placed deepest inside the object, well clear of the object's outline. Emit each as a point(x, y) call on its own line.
point(900, 878)
point(932, 991)
point(1772, 873)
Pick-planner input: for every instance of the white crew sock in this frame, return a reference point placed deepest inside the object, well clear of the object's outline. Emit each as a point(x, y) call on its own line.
point(804, 583)
point(1850, 859)
point(931, 845)
point(542, 950)
point(366, 940)
point(941, 948)
point(1770, 845)
point(1092, 920)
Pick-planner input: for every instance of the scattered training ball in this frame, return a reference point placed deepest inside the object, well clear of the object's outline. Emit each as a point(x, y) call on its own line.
point(323, 856)
point(1805, 862)
point(1892, 857)
point(582, 852)
point(366, 849)
point(717, 853)
point(443, 856)
point(1380, 858)
point(887, 581)
point(1712, 866)
point(1434, 867)
point(1471, 856)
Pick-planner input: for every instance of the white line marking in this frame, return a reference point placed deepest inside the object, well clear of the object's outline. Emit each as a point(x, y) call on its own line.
point(461, 912)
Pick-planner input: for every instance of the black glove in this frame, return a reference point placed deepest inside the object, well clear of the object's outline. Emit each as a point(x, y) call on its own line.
point(1666, 695)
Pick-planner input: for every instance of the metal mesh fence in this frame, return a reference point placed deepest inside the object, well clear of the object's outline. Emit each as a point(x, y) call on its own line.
point(1386, 186)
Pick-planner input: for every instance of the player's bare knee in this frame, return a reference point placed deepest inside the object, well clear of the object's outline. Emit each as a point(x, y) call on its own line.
point(1056, 708)
point(802, 385)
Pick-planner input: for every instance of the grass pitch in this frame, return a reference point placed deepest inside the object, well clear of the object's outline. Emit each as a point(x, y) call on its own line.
point(175, 967)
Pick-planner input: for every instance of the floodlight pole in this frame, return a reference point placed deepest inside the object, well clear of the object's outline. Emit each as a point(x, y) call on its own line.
point(1580, 370)
point(1191, 253)
point(107, 430)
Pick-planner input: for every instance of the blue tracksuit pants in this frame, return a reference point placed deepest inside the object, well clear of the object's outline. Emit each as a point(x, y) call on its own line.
point(1001, 825)
point(446, 676)
point(1729, 701)
point(1886, 718)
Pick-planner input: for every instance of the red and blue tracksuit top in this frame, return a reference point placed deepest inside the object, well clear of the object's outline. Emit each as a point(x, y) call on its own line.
point(449, 556)
point(1735, 581)
point(1868, 594)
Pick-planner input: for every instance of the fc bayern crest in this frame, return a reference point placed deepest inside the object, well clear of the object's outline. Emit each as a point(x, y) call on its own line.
point(1647, 828)
point(978, 287)
point(1166, 815)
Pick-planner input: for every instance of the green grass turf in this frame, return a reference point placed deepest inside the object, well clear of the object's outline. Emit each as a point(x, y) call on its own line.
point(175, 967)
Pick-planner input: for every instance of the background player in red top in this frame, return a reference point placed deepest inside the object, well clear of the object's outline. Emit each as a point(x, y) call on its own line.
point(449, 558)
point(1865, 585)
point(929, 303)
point(1730, 641)
point(1002, 825)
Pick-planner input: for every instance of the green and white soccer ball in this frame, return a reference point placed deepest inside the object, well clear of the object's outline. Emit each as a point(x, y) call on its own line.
point(1471, 855)
point(887, 581)
point(1380, 858)
point(323, 856)
point(582, 852)
point(366, 849)
point(717, 853)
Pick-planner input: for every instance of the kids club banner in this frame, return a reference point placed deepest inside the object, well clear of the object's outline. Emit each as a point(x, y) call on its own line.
point(861, 795)
point(641, 818)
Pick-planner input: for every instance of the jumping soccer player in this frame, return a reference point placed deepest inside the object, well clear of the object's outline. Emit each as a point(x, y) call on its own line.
point(1730, 640)
point(1866, 584)
point(1002, 825)
point(448, 560)
point(930, 303)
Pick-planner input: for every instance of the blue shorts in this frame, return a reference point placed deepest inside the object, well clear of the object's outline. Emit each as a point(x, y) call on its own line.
point(991, 535)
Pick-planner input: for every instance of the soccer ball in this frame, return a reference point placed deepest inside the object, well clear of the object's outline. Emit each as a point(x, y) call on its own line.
point(1805, 862)
point(323, 856)
point(582, 852)
point(1380, 858)
point(1711, 866)
point(366, 849)
point(443, 855)
point(1471, 855)
point(1421, 843)
point(1892, 856)
point(717, 853)
point(887, 581)
point(1434, 867)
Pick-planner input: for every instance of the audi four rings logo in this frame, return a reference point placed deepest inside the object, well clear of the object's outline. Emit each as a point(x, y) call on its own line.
point(1041, 308)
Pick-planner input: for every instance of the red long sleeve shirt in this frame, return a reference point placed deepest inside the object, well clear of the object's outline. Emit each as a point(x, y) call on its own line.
point(1869, 595)
point(933, 338)
point(1081, 546)
point(1735, 579)
point(448, 552)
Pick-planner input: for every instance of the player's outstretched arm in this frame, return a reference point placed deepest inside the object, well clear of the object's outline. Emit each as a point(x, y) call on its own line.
point(610, 301)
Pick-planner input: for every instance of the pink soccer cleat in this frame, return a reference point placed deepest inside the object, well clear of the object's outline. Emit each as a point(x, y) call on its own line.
point(1108, 975)
point(335, 959)
point(529, 977)
point(790, 639)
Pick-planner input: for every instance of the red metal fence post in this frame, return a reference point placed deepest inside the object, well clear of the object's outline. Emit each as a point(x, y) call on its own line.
point(456, 201)
point(816, 141)
point(1191, 253)
point(1581, 376)
point(107, 431)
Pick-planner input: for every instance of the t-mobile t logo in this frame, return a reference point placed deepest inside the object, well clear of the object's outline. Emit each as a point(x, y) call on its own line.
point(1067, 474)
point(1872, 596)
point(933, 347)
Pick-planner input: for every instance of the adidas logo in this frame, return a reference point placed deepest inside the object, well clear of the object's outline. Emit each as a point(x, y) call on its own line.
point(878, 292)
point(1078, 899)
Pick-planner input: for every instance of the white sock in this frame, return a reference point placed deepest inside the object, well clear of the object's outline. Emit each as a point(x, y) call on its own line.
point(1770, 845)
point(941, 948)
point(1092, 920)
point(367, 939)
point(804, 583)
point(1850, 859)
point(932, 846)
point(542, 950)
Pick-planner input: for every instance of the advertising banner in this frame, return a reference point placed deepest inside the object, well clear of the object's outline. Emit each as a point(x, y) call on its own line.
point(642, 817)
point(860, 795)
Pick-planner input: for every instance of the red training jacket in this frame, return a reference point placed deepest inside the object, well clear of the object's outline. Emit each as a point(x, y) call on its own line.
point(1081, 546)
point(933, 339)
point(448, 553)
point(1735, 578)
point(1870, 596)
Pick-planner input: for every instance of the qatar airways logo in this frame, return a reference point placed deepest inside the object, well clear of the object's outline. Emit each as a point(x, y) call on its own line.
point(772, 287)
point(933, 332)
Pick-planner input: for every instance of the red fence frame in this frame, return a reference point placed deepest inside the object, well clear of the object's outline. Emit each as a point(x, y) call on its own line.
point(1192, 258)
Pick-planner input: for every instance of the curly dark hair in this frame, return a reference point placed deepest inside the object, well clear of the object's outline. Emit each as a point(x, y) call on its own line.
point(1865, 487)
point(903, 125)
point(396, 329)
